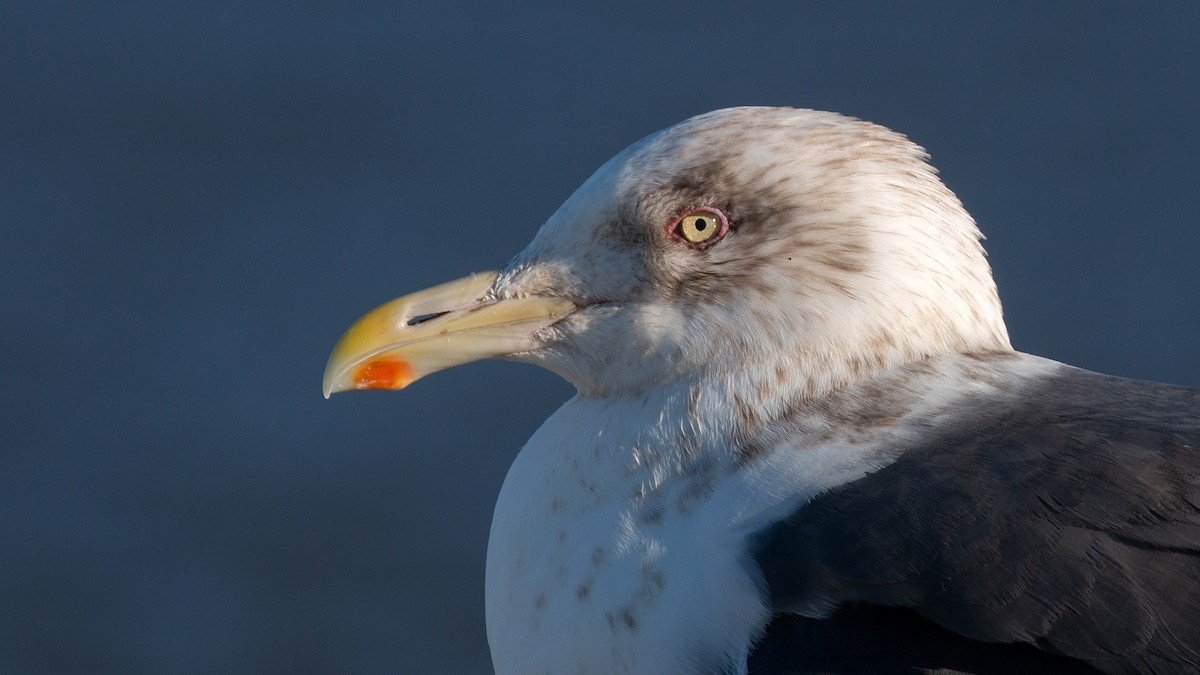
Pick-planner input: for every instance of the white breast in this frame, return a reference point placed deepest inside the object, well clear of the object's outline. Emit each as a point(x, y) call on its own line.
point(609, 553)
point(619, 538)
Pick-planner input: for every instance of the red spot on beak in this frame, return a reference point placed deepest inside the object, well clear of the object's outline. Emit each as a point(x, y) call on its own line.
point(383, 374)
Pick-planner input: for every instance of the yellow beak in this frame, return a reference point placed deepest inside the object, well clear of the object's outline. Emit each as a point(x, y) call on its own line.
point(408, 338)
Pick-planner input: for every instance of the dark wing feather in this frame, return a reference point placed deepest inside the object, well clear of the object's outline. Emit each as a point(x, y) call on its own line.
point(865, 639)
point(1068, 520)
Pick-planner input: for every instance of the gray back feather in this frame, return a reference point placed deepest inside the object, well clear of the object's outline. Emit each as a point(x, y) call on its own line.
point(1068, 520)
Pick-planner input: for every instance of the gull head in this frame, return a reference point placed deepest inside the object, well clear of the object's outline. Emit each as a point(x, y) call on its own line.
point(759, 246)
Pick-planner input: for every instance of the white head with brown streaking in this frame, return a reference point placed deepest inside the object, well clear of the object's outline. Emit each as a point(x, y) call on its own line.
point(835, 252)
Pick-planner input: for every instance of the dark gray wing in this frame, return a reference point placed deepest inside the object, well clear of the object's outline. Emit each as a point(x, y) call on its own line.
point(1065, 524)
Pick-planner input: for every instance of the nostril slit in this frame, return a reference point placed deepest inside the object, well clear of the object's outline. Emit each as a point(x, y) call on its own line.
point(422, 318)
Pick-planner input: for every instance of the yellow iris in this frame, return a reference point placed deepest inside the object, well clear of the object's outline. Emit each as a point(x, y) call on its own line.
point(699, 226)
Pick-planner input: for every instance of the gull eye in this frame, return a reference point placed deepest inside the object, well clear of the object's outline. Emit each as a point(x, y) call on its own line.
point(701, 227)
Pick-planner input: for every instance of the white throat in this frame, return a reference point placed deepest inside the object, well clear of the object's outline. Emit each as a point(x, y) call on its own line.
point(594, 558)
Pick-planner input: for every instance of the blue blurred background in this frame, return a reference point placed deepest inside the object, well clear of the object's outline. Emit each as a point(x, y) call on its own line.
point(197, 198)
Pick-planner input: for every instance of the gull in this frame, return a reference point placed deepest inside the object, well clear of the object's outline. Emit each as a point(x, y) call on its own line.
point(801, 440)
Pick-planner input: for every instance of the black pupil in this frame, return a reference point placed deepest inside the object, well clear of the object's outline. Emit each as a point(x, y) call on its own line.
point(701, 224)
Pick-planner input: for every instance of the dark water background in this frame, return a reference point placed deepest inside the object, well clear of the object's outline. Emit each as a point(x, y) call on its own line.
point(196, 198)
